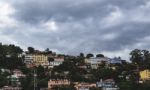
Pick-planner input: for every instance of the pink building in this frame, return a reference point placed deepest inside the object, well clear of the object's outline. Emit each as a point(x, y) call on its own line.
point(84, 86)
point(58, 82)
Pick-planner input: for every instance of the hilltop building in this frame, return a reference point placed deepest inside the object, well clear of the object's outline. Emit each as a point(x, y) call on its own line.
point(94, 62)
point(46, 60)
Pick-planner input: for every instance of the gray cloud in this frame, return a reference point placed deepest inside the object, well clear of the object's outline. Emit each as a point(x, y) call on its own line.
point(74, 26)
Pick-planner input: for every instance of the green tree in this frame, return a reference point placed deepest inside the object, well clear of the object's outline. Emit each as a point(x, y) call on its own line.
point(89, 55)
point(105, 73)
point(3, 81)
point(31, 50)
point(82, 55)
point(99, 55)
point(9, 56)
point(145, 86)
point(47, 51)
point(136, 57)
point(42, 83)
point(25, 70)
point(146, 58)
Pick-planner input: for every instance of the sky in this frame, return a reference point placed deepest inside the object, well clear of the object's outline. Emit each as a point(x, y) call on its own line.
point(111, 27)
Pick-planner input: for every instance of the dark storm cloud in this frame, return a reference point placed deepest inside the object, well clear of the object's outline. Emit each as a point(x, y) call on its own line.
point(35, 11)
point(74, 26)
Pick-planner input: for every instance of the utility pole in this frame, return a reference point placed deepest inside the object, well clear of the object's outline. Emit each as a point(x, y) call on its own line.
point(35, 80)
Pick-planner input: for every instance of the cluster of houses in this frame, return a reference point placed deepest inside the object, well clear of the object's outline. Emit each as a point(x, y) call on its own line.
point(14, 79)
point(52, 60)
point(108, 84)
point(49, 60)
point(45, 60)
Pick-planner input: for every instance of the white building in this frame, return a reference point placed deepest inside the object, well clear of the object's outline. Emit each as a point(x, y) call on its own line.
point(18, 73)
point(28, 59)
point(108, 84)
point(96, 61)
point(116, 60)
point(57, 61)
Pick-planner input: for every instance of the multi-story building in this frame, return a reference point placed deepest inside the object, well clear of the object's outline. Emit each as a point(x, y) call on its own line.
point(145, 75)
point(95, 61)
point(40, 59)
point(59, 82)
point(36, 60)
point(43, 60)
point(115, 60)
point(28, 59)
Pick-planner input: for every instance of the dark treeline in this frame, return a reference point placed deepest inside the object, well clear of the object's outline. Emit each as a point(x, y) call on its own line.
point(141, 58)
point(10, 56)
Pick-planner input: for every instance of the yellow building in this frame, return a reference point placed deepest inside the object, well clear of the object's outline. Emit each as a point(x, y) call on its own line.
point(32, 60)
point(40, 59)
point(145, 75)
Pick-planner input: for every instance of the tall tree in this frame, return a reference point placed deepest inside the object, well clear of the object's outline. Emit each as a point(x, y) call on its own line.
point(48, 51)
point(31, 50)
point(146, 58)
point(99, 55)
point(82, 55)
point(136, 57)
point(3, 81)
point(89, 55)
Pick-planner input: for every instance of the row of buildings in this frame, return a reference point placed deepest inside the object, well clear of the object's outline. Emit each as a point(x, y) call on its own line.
point(13, 79)
point(144, 75)
point(108, 84)
point(50, 60)
point(44, 60)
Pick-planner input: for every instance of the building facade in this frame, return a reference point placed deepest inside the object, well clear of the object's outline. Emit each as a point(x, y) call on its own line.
point(59, 82)
point(42, 59)
point(108, 84)
point(56, 62)
point(145, 75)
point(96, 61)
point(84, 86)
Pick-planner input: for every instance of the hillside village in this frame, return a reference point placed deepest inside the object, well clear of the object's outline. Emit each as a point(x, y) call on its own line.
point(47, 70)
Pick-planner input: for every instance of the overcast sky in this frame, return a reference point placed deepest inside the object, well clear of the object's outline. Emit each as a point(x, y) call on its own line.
point(111, 27)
